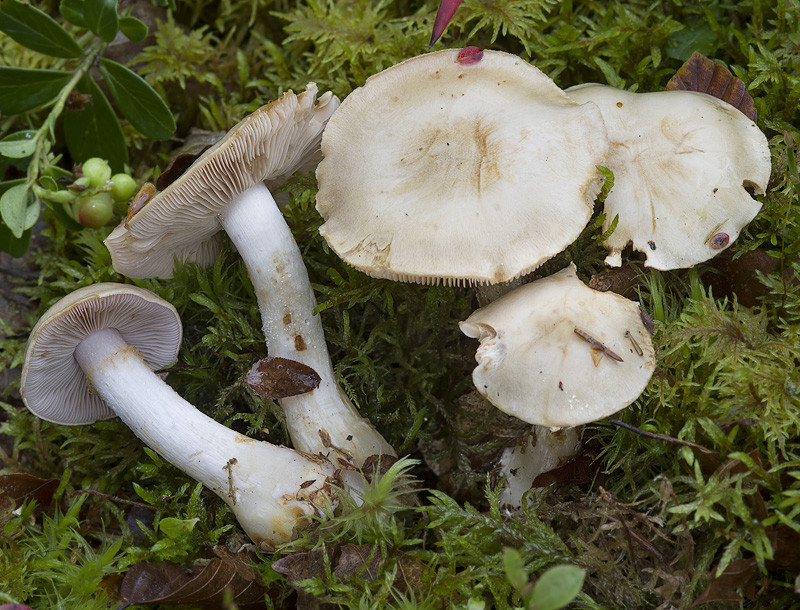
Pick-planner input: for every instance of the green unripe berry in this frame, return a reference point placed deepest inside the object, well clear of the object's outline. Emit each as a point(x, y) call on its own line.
point(124, 187)
point(97, 171)
point(94, 211)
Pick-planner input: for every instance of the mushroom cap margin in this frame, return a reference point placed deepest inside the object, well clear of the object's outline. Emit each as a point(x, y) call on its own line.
point(53, 386)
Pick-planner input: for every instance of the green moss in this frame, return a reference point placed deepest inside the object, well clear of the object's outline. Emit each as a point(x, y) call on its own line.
point(667, 516)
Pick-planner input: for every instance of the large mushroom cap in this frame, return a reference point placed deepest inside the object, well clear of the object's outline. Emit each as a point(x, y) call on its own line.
point(683, 163)
point(54, 387)
point(467, 172)
point(557, 353)
point(180, 223)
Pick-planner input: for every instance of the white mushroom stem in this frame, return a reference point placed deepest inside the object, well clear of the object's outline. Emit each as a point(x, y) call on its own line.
point(270, 489)
point(323, 421)
point(543, 450)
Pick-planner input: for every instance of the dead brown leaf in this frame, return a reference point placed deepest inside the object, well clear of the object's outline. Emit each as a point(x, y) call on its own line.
point(177, 166)
point(201, 586)
point(280, 377)
point(738, 581)
point(17, 487)
point(701, 74)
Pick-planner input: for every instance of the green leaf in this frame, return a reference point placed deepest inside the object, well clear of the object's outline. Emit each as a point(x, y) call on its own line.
point(72, 11)
point(101, 18)
point(36, 30)
point(176, 528)
point(515, 572)
point(22, 89)
point(14, 209)
point(557, 587)
point(138, 101)
point(20, 163)
point(95, 131)
point(134, 30)
point(15, 246)
point(18, 145)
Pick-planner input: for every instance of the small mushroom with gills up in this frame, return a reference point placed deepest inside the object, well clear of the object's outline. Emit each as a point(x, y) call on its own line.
point(91, 357)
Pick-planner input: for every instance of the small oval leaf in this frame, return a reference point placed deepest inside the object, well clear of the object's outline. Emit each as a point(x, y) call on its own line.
point(138, 101)
point(101, 18)
point(175, 528)
point(22, 89)
point(95, 130)
point(14, 209)
point(557, 587)
point(72, 11)
point(275, 378)
point(17, 148)
point(134, 29)
point(36, 30)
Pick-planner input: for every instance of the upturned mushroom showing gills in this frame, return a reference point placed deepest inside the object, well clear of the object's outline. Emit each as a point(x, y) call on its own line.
point(686, 167)
point(557, 353)
point(92, 355)
point(454, 168)
point(224, 188)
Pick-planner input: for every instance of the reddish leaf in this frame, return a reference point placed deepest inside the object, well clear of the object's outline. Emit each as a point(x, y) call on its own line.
point(17, 487)
point(279, 377)
point(737, 582)
point(469, 55)
point(199, 586)
point(701, 74)
point(444, 14)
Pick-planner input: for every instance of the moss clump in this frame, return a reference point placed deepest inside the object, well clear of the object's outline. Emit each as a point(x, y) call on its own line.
point(712, 488)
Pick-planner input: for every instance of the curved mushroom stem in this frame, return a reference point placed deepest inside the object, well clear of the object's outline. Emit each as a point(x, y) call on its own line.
point(544, 449)
point(270, 489)
point(323, 421)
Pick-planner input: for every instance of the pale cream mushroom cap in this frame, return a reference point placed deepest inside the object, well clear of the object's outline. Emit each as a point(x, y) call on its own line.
point(181, 222)
point(438, 170)
point(54, 386)
point(682, 163)
point(534, 366)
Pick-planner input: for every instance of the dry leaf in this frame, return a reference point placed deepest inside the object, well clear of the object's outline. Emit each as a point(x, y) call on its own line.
point(701, 74)
point(279, 377)
point(17, 487)
point(581, 470)
point(177, 166)
point(736, 583)
point(199, 586)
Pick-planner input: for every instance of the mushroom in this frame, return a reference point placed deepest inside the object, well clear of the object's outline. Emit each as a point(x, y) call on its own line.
point(91, 356)
point(464, 170)
point(557, 354)
point(686, 167)
point(224, 188)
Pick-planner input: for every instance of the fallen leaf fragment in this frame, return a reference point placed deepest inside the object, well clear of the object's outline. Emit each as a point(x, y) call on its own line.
point(738, 581)
point(699, 73)
point(280, 377)
point(19, 486)
point(177, 166)
point(199, 586)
